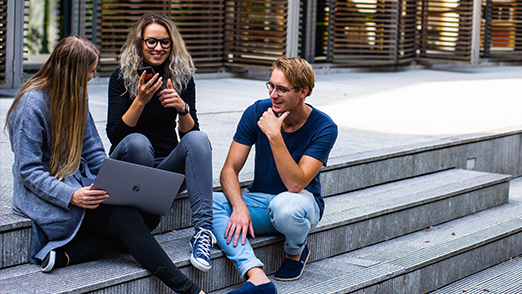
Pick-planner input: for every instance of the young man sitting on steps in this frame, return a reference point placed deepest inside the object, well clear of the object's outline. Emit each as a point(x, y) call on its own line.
point(293, 141)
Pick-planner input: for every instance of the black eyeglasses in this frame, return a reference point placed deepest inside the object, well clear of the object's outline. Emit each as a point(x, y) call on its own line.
point(279, 89)
point(152, 42)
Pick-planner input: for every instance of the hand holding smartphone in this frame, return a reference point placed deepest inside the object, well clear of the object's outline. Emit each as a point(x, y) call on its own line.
point(149, 72)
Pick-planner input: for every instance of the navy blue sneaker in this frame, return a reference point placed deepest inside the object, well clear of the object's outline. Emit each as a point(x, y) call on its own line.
point(200, 245)
point(249, 288)
point(292, 270)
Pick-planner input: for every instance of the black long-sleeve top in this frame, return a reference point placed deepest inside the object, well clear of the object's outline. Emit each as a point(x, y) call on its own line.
point(156, 122)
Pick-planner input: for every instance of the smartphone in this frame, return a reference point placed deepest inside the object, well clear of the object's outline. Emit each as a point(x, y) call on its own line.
point(149, 72)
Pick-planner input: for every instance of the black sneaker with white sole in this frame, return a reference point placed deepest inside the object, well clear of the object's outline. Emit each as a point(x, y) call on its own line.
point(48, 262)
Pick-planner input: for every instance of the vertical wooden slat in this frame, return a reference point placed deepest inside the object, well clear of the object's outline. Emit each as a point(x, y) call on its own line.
point(3, 41)
point(255, 32)
point(307, 29)
point(476, 21)
point(485, 29)
point(321, 30)
point(503, 36)
point(517, 13)
point(407, 31)
point(89, 11)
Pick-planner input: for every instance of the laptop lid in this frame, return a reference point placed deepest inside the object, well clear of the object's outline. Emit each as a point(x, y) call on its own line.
point(145, 188)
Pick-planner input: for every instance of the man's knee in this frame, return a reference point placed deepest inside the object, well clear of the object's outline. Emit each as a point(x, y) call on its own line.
point(287, 207)
point(282, 208)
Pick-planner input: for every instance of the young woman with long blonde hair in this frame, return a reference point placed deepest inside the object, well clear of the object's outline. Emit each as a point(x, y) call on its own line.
point(55, 143)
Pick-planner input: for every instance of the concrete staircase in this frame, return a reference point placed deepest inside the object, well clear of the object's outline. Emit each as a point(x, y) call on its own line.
point(407, 220)
point(503, 278)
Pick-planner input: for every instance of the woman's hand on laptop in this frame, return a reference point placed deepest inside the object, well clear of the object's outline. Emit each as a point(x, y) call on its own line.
point(88, 198)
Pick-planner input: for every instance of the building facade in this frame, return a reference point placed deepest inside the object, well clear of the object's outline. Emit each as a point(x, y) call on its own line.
point(236, 35)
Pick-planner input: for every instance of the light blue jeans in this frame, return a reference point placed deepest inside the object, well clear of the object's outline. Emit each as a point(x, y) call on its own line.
point(292, 214)
point(191, 157)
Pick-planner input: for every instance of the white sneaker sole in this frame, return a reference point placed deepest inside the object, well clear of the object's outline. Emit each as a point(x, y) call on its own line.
point(197, 264)
point(52, 259)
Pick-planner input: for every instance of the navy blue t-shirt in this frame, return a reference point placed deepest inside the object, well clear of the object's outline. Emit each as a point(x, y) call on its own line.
point(315, 138)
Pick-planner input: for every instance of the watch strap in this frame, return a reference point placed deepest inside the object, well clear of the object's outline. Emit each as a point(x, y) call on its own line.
point(187, 110)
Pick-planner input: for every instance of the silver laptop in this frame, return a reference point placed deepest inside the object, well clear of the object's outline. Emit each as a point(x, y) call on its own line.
point(145, 188)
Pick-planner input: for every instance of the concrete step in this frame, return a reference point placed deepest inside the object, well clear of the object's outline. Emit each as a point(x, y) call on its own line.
point(496, 153)
point(503, 278)
point(15, 233)
point(351, 221)
point(464, 250)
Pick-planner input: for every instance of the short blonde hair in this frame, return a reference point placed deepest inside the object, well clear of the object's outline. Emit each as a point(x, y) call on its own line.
point(297, 71)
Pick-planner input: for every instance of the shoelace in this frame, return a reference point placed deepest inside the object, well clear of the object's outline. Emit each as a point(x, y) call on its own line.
point(204, 239)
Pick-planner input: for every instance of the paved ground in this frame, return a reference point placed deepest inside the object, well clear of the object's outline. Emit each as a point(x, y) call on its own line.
point(374, 111)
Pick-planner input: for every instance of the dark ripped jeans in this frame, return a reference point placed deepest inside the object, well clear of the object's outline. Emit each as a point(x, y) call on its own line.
point(112, 228)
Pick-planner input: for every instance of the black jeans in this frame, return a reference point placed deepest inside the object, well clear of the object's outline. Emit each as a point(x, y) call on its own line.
point(109, 228)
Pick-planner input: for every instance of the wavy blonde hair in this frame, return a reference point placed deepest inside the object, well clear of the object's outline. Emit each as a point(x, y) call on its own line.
point(64, 78)
point(178, 67)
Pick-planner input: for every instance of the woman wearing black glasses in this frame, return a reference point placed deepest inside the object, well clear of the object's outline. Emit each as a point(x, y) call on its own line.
point(142, 113)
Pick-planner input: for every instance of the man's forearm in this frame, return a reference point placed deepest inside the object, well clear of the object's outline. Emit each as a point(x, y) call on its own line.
point(290, 172)
point(231, 187)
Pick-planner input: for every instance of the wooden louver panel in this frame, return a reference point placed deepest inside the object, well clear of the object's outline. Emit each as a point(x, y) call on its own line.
point(366, 31)
point(503, 36)
point(360, 32)
point(115, 17)
point(445, 29)
point(255, 32)
point(407, 31)
point(201, 23)
point(3, 40)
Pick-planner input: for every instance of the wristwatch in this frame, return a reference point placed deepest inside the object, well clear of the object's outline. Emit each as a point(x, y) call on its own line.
point(187, 109)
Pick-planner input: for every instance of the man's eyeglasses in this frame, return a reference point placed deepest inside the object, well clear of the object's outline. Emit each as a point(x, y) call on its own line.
point(279, 89)
point(152, 42)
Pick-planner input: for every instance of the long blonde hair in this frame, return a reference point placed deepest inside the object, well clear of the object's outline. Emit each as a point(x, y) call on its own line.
point(64, 78)
point(178, 67)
